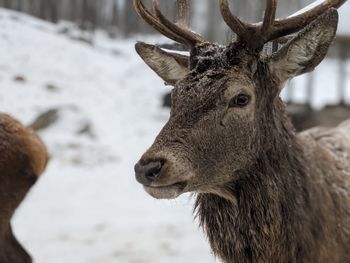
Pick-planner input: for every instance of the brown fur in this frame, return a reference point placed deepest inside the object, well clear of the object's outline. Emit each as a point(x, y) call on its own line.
point(263, 193)
point(23, 159)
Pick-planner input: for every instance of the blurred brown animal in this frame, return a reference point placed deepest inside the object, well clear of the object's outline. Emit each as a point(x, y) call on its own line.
point(23, 160)
point(264, 193)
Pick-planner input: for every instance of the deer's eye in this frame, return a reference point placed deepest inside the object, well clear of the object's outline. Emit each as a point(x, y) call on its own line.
point(240, 101)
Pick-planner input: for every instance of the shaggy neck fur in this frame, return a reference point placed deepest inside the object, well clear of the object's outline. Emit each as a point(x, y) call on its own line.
point(271, 202)
point(273, 216)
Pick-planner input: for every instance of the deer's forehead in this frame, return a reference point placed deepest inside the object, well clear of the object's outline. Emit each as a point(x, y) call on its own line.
point(198, 87)
point(213, 57)
point(239, 82)
point(214, 84)
point(205, 93)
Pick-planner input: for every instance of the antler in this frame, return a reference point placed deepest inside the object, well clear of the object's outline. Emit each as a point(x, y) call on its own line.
point(179, 31)
point(256, 35)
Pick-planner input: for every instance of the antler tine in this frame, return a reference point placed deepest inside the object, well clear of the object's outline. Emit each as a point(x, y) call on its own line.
point(167, 28)
point(269, 16)
point(183, 14)
point(238, 26)
point(190, 39)
point(295, 23)
point(256, 35)
point(153, 22)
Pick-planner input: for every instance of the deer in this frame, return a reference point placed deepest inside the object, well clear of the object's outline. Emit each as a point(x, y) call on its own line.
point(23, 159)
point(263, 192)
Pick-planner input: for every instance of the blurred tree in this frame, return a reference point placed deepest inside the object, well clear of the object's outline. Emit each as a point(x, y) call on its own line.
point(212, 20)
point(120, 14)
point(89, 15)
point(115, 14)
point(72, 8)
point(130, 19)
point(53, 6)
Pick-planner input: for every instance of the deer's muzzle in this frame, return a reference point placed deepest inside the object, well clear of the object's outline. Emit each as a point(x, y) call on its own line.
point(147, 173)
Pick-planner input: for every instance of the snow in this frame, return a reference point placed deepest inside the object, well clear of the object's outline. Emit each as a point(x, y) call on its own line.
point(87, 207)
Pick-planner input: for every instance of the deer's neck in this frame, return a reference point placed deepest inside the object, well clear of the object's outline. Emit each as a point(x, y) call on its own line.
point(10, 249)
point(263, 223)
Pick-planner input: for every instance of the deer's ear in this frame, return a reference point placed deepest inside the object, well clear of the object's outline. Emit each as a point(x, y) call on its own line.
point(305, 51)
point(171, 67)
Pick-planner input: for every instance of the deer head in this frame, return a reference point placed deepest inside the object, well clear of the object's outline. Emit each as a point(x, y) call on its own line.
point(226, 109)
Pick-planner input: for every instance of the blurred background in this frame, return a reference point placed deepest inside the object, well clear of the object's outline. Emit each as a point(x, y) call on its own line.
point(68, 68)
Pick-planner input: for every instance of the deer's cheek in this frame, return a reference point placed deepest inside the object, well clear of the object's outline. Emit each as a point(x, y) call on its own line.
point(232, 116)
point(224, 122)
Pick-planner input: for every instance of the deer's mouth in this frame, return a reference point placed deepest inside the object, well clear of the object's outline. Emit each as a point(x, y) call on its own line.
point(166, 192)
point(163, 176)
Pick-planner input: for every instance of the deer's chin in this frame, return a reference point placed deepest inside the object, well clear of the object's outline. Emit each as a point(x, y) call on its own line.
point(166, 192)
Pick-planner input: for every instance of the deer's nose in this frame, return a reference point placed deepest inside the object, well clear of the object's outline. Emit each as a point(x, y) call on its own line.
point(147, 172)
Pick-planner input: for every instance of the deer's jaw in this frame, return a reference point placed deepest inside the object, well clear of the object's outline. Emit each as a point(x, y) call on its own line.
point(166, 192)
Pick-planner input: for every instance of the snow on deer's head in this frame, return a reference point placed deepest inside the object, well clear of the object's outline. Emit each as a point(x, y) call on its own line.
point(225, 101)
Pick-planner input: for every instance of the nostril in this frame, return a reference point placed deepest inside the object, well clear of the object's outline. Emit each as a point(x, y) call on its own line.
point(153, 170)
point(146, 173)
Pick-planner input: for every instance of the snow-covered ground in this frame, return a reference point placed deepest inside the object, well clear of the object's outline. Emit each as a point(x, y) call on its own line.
point(87, 207)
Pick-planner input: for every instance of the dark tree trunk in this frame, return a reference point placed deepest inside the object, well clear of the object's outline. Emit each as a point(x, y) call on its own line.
point(88, 18)
point(53, 9)
point(131, 20)
point(342, 74)
point(42, 9)
point(73, 10)
point(115, 14)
